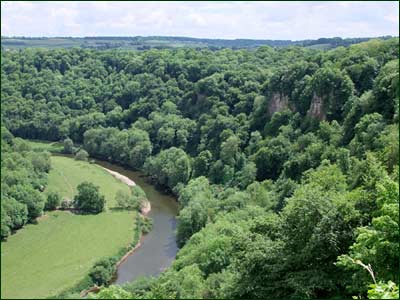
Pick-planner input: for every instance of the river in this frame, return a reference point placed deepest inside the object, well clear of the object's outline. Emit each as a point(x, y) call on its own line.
point(159, 248)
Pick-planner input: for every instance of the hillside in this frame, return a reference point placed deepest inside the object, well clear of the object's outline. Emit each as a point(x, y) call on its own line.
point(162, 42)
point(284, 160)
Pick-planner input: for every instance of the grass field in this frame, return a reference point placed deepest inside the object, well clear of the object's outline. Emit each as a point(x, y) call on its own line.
point(53, 147)
point(66, 174)
point(44, 259)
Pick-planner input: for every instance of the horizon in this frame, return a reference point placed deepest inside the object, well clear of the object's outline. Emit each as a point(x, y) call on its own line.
point(190, 37)
point(226, 20)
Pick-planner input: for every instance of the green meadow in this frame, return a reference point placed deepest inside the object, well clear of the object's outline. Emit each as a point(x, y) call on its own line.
point(66, 174)
point(44, 259)
point(39, 145)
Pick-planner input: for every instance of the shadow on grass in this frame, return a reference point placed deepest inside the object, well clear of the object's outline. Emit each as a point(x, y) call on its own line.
point(116, 209)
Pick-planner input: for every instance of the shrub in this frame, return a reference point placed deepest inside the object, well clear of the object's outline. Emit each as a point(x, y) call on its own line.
point(138, 195)
point(126, 201)
point(53, 201)
point(81, 155)
point(16, 213)
point(100, 275)
point(103, 271)
point(66, 204)
point(5, 225)
point(68, 146)
point(133, 200)
point(147, 224)
point(41, 161)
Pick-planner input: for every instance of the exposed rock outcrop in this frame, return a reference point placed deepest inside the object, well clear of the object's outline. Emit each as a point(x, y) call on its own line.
point(316, 109)
point(277, 103)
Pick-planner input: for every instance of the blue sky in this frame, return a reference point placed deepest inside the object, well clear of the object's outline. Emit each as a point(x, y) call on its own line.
point(224, 19)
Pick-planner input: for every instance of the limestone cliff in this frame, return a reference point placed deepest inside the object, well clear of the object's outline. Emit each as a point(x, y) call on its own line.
point(316, 109)
point(277, 103)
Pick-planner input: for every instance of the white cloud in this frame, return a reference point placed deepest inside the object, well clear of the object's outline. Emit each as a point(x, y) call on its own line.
point(223, 19)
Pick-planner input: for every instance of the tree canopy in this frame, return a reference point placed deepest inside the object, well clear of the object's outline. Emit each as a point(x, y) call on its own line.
point(284, 161)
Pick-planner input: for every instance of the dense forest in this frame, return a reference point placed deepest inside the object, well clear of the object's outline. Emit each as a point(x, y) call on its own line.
point(23, 177)
point(284, 161)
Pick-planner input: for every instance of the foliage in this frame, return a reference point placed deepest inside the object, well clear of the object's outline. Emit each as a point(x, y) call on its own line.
point(81, 155)
point(53, 201)
point(377, 244)
point(170, 167)
point(103, 271)
point(23, 177)
point(126, 200)
point(68, 145)
point(67, 173)
point(130, 147)
point(112, 292)
point(283, 159)
point(383, 290)
point(88, 199)
point(146, 224)
point(66, 204)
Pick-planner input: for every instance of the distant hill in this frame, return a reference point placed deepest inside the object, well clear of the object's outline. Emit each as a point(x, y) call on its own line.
point(160, 42)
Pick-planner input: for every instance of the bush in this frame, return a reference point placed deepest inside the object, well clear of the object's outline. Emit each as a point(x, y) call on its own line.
point(32, 198)
point(126, 201)
point(89, 199)
point(139, 286)
point(66, 204)
point(41, 161)
point(147, 224)
point(112, 292)
point(383, 290)
point(16, 213)
point(5, 225)
point(100, 275)
point(81, 155)
point(53, 201)
point(68, 146)
point(102, 272)
point(138, 195)
point(134, 200)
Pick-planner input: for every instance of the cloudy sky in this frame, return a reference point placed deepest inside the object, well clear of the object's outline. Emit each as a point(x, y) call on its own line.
point(224, 19)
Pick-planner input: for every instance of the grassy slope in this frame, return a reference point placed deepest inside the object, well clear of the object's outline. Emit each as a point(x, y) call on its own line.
point(67, 174)
point(44, 259)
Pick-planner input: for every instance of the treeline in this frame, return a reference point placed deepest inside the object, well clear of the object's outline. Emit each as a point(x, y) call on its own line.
point(23, 178)
point(285, 162)
point(147, 42)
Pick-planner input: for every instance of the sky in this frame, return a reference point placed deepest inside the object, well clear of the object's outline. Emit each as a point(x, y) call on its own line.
point(206, 19)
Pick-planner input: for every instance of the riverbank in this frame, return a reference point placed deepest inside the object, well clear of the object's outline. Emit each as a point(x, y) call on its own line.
point(157, 248)
point(144, 254)
point(147, 206)
point(121, 177)
point(144, 211)
point(123, 258)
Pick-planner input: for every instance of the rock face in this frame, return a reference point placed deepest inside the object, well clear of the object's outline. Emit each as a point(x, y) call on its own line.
point(316, 108)
point(277, 103)
point(280, 102)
